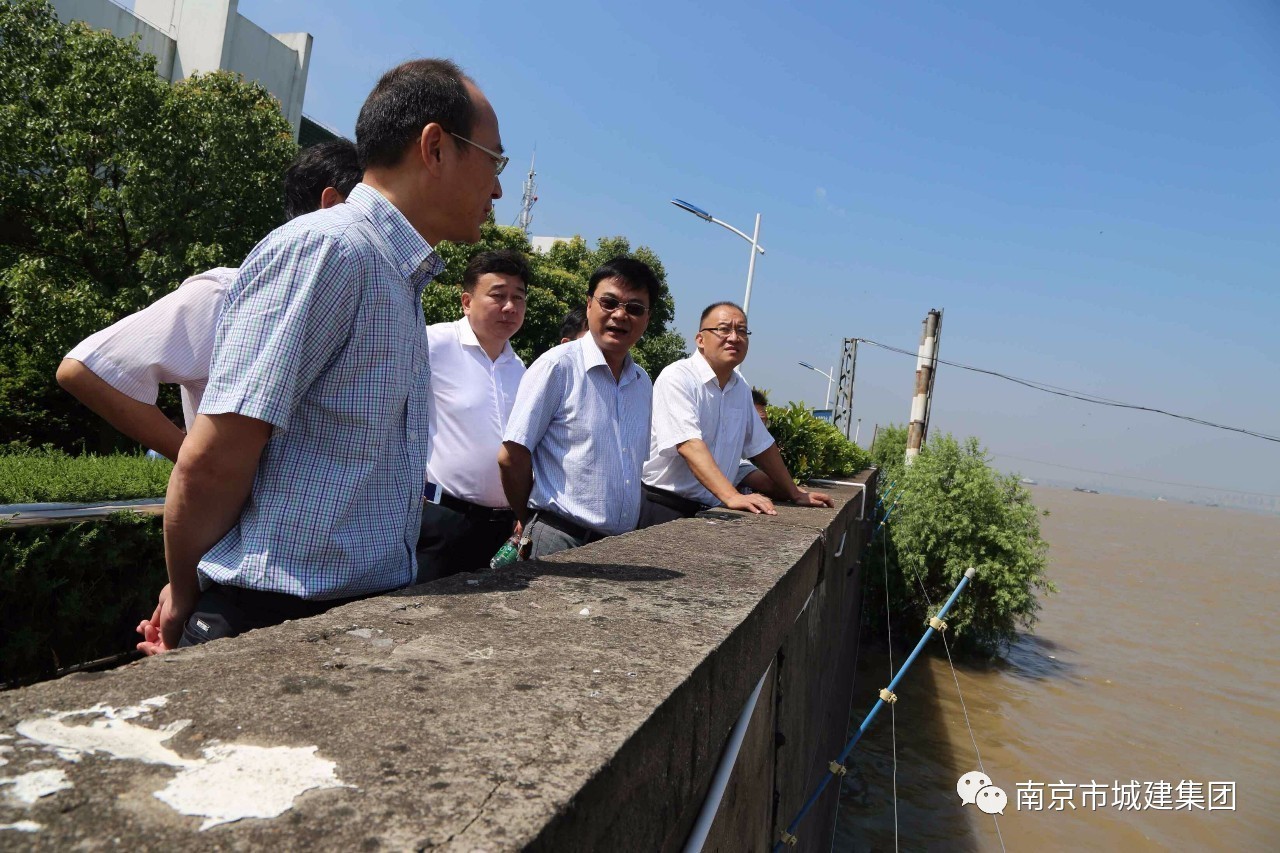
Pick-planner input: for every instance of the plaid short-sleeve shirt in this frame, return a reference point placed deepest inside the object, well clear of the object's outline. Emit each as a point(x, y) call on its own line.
point(322, 336)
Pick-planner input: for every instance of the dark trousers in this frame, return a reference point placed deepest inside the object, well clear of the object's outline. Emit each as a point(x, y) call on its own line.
point(228, 611)
point(550, 533)
point(661, 506)
point(453, 541)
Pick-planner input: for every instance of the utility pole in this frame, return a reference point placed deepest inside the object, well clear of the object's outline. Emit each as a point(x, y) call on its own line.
point(933, 377)
point(842, 417)
point(926, 361)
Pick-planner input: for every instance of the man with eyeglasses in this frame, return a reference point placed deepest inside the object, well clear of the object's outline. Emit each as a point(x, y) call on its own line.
point(705, 423)
point(575, 443)
point(300, 485)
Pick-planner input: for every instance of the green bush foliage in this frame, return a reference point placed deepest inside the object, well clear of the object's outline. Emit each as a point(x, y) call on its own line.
point(953, 511)
point(114, 187)
point(51, 476)
point(75, 593)
point(812, 447)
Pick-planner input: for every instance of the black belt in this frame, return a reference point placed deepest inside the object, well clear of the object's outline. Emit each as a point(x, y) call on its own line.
point(470, 510)
point(567, 527)
point(671, 500)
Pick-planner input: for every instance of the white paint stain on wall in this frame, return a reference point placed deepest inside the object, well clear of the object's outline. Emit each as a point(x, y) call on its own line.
point(23, 826)
point(239, 781)
point(229, 782)
point(112, 735)
point(29, 787)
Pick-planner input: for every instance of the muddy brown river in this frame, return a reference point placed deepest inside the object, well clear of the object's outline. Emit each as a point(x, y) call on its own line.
point(1157, 663)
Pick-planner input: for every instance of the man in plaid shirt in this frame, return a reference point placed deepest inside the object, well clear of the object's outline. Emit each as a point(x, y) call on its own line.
point(300, 484)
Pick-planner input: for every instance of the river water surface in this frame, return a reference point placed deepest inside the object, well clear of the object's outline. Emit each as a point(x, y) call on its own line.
point(1157, 661)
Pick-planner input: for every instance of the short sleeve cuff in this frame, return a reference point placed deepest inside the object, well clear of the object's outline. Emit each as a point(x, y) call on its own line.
point(235, 403)
point(759, 446)
point(668, 446)
point(109, 372)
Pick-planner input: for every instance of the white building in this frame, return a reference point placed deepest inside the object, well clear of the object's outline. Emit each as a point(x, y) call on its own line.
point(542, 245)
point(189, 36)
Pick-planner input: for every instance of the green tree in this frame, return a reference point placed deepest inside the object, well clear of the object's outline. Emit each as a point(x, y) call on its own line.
point(952, 510)
point(559, 284)
point(114, 186)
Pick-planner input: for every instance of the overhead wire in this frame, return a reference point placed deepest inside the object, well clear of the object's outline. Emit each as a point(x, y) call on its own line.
point(1083, 396)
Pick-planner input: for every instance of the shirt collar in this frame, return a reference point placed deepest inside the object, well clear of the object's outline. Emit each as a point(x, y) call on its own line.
point(705, 373)
point(467, 337)
point(593, 357)
point(412, 255)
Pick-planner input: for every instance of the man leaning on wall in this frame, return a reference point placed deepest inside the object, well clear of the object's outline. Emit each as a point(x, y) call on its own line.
point(573, 448)
point(474, 378)
point(704, 423)
point(300, 485)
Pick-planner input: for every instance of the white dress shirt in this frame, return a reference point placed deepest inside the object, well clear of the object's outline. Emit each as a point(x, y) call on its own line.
point(471, 400)
point(171, 340)
point(587, 434)
point(689, 403)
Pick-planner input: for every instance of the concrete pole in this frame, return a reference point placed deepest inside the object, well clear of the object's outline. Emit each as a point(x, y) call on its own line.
point(924, 376)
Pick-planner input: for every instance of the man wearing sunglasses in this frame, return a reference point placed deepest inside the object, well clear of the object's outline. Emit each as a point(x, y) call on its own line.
point(575, 443)
point(705, 423)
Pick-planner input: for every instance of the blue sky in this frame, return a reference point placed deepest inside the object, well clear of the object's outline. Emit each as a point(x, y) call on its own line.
point(1091, 192)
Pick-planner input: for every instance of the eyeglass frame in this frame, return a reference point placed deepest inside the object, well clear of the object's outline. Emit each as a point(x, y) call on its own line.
point(733, 330)
point(626, 306)
point(499, 161)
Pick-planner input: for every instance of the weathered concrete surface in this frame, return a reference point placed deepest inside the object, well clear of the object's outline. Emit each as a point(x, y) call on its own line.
point(575, 703)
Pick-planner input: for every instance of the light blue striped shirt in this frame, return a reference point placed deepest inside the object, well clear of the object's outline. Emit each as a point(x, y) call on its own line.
point(322, 336)
point(588, 435)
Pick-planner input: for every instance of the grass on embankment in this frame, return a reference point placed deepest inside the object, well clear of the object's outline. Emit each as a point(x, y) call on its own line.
point(51, 476)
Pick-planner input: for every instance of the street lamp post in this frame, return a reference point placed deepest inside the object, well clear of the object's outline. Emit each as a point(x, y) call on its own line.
point(830, 379)
point(754, 240)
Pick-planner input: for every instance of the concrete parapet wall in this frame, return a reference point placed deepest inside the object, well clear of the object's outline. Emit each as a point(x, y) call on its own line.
point(575, 703)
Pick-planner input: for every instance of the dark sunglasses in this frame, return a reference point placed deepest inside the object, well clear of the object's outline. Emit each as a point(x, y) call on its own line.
point(609, 304)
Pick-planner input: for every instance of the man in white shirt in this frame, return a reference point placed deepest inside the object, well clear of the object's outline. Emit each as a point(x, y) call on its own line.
point(573, 449)
point(117, 372)
point(704, 423)
point(474, 378)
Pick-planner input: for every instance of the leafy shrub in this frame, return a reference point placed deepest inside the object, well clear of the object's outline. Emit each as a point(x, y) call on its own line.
point(955, 511)
point(812, 447)
point(74, 593)
point(49, 475)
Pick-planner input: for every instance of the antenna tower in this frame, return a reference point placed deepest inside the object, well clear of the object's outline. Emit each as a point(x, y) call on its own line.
point(529, 199)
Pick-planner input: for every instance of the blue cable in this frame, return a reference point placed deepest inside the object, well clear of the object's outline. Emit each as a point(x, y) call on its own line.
point(789, 833)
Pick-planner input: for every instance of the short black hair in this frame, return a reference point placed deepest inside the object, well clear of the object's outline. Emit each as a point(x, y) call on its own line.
point(507, 261)
point(637, 274)
point(408, 98)
point(327, 164)
point(573, 324)
point(714, 305)
point(759, 398)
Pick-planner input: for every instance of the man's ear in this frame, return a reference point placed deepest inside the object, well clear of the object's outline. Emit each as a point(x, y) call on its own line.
point(329, 197)
point(430, 145)
point(466, 302)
